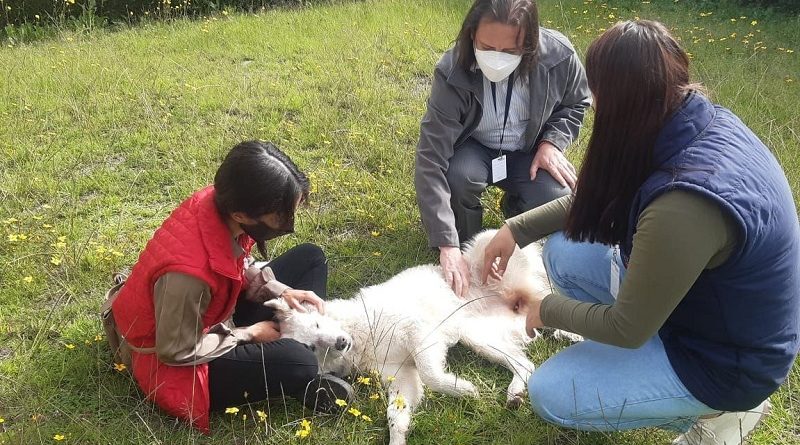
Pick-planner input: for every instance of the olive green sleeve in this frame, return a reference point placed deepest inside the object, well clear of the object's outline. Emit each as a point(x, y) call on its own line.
point(537, 223)
point(677, 236)
point(180, 300)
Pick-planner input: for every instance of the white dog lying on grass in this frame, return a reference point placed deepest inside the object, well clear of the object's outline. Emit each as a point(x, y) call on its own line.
point(403, 328)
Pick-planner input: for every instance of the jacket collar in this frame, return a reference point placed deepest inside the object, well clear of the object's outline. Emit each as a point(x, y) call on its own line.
point(686, 124)
point(216, 237)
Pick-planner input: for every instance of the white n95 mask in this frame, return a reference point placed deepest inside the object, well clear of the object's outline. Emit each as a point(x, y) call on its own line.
point(496, 65)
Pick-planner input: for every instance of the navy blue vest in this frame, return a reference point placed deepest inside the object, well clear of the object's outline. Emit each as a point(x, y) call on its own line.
point(734, 336)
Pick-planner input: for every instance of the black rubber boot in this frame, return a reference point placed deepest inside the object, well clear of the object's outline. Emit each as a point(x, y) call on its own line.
point(321, 393)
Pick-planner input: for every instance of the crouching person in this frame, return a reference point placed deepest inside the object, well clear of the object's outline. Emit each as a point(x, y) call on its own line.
point(190, 313)
point(693, 321)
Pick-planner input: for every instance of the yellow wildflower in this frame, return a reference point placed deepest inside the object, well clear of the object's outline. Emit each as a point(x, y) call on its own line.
point(374, 397)
point(376, 253)
point(12, 238)
point(261, 415)
point(119, 367)
point(59, 245)
point(305, 429)
point(28, 279)
point(69, 346)
point(400, 402)
point(390, 379)
point(233, 410)
point(754, 23)
point(363, 380)
point(98, 337)
point(2, 420)
point(59, 437)
point(354, 412)
point(340, 402)
point(47, 226)
point(375, 233)
point(366, 418)
point(55, 261)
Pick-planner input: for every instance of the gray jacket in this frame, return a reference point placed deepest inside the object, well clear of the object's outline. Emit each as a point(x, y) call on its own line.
point(559, 97)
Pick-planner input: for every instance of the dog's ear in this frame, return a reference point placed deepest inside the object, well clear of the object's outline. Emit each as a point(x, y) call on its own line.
point(280, 309)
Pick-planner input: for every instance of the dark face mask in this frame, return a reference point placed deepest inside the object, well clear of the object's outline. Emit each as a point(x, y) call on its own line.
point(261, 232)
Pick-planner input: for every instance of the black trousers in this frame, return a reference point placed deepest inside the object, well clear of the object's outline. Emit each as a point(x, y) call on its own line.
point(277, 369)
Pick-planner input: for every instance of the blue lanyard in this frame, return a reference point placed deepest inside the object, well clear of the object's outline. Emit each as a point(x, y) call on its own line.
point(508, 104)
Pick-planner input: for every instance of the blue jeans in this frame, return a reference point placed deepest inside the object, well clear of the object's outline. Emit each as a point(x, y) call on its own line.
point(592, 386)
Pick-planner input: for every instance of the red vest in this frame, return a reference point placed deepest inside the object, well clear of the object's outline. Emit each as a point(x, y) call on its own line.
point(193, 240)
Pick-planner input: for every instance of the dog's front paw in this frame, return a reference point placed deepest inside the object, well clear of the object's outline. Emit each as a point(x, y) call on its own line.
point(465, 388)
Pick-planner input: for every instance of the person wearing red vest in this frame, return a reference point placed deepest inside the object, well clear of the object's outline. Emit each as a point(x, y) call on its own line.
point(191, 314)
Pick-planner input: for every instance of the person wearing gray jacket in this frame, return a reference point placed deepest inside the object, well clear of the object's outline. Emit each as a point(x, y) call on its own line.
point(505, 103)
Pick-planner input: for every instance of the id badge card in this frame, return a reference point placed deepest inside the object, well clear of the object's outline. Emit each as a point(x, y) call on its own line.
point(614, 281)
point(498, 169)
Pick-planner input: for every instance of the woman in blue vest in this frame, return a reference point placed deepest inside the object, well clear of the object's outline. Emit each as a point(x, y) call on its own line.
point(678, 258)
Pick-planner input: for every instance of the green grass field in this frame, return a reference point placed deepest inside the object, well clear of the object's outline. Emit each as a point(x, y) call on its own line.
point(104, 132)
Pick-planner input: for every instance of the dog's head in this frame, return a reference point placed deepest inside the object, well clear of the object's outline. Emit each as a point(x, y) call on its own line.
point(317, 331)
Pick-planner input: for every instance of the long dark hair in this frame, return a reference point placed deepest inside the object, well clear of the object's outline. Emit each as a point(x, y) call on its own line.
point(522, 13)
point(639, 76)
point(257, 178)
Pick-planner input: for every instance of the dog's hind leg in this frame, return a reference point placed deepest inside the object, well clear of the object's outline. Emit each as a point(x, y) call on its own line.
point(503, 352)
point(405, 393)
point(431, 365)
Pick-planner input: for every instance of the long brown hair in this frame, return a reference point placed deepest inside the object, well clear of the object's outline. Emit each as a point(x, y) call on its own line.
point(521, 13)
point(639, 76)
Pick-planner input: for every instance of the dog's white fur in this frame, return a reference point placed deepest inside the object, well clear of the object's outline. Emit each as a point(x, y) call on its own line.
point(403, 328)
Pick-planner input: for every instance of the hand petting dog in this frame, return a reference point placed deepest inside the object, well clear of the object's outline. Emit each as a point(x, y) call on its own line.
point(495, 261)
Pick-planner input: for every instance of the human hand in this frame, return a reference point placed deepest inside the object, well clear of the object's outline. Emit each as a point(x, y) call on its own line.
point(550, 158)
point(455, 269)
point(533, 320)
point(263, 331)
point(497, 254)
point(295, 299)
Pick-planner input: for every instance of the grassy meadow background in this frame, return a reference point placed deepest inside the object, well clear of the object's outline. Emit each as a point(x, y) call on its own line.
point(103, 133)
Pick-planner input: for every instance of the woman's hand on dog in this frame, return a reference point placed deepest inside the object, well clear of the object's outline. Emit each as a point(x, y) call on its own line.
point(455, 269)
point(497, 253)
point(533, 320)
point(295, 299)
point(263, 331)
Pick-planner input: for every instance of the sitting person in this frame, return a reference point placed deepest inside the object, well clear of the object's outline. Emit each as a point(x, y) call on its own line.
point(190, 312)
point(694, 319)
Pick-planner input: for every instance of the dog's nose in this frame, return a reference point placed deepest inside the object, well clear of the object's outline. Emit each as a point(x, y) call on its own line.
point(342, 343)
